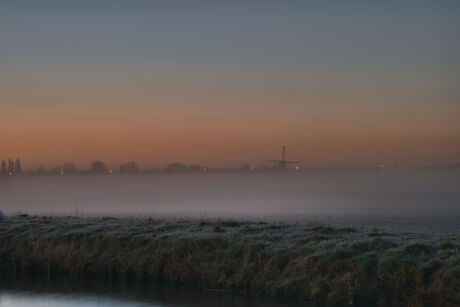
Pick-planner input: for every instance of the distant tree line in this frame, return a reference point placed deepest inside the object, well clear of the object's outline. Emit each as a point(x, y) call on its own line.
point(69, 168)
point(178, 167)
point(95, 167)
point(12, 168)
point(129, 167)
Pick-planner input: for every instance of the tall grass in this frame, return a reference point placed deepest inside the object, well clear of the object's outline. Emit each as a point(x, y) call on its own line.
point(309, 262)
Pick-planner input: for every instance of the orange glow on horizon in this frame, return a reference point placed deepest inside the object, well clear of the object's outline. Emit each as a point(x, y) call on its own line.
point(216, 137)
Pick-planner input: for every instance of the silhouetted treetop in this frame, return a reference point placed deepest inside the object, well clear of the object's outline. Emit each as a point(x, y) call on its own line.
point(129, 167)
point(98, 167)
point(70, 168)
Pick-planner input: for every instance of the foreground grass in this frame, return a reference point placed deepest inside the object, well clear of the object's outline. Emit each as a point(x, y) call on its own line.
point(308, 262)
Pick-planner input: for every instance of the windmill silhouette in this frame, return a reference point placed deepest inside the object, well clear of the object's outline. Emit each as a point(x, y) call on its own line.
point(283, 163)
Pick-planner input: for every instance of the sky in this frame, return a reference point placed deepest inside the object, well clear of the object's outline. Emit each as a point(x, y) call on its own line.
point(222, 83)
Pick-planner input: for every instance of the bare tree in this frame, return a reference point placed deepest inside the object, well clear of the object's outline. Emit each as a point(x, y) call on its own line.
point(10, 166)
point(17, 166)
point(128, 167)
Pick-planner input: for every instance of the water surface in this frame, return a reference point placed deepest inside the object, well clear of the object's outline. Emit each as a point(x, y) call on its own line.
point(69, 292)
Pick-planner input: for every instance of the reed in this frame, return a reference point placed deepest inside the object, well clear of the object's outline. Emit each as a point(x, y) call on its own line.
point(303, 261)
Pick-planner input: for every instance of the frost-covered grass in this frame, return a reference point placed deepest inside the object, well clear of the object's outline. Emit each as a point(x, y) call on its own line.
point(304, 261)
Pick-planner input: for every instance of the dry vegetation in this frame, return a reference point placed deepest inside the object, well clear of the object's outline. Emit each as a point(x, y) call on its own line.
point(303, 261)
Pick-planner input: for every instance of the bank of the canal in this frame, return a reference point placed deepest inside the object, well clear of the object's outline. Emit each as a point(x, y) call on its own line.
point(303, 262)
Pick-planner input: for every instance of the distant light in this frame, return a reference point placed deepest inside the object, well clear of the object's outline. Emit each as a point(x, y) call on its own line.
point(110, 171)
point(341, 166)
point(204, 169)
point(251, 168)
point(10, 173)
point(382, 165)
point(297, 167)
point(62, 172)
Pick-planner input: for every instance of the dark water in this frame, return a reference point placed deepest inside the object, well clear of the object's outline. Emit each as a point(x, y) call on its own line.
point(416, 200)
point(31, 299)
point(39, 293)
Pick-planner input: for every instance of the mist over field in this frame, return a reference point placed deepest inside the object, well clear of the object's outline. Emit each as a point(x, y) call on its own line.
point(424, 200)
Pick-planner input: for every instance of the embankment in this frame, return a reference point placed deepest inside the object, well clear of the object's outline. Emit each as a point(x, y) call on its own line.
point(303, 261)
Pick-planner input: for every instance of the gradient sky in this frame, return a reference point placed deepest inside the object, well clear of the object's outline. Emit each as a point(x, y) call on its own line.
point(229, 82)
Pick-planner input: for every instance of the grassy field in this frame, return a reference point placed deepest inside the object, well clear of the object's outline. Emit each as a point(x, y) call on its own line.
point(303, 261)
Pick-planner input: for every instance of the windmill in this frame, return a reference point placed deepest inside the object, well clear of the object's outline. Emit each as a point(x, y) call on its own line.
point(283, 163)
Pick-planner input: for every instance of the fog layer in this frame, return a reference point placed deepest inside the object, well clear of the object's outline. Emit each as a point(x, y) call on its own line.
point(426, 199)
